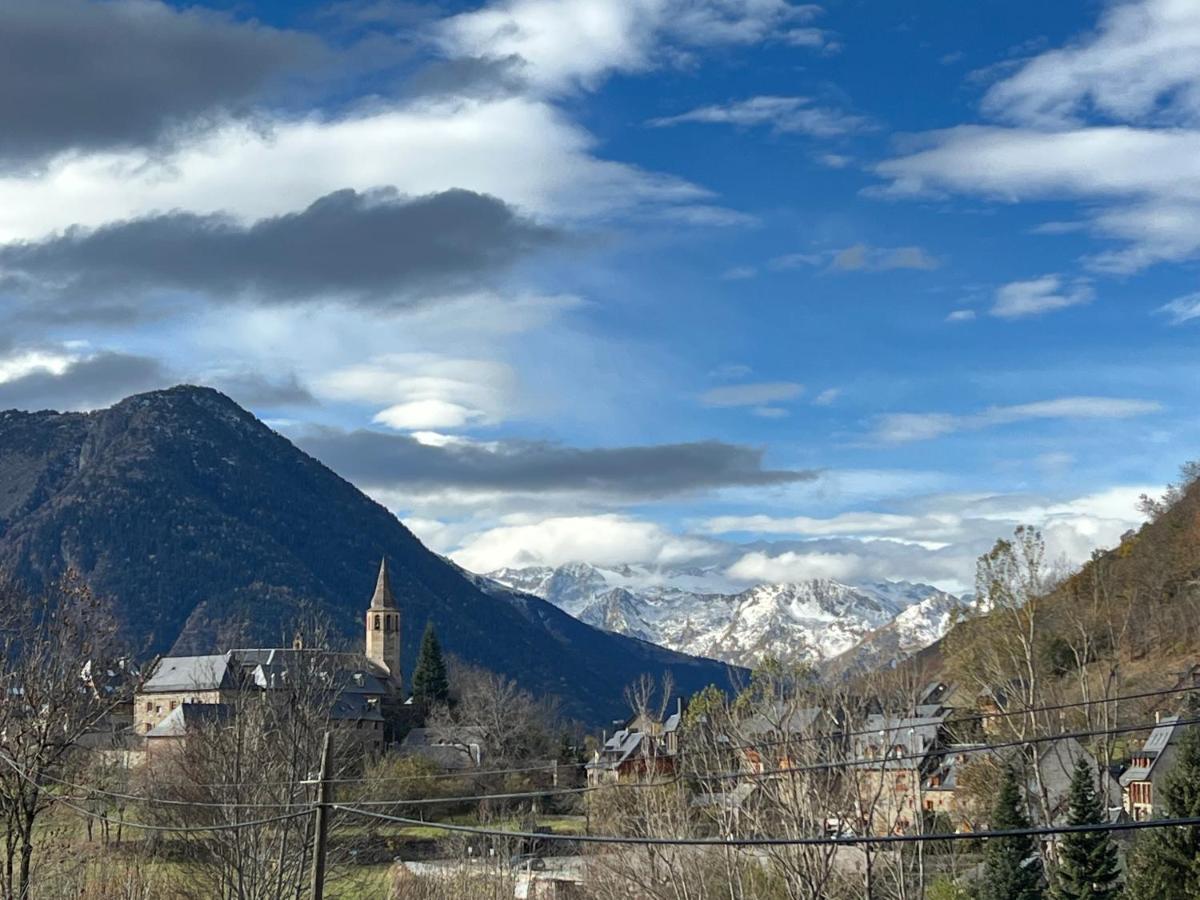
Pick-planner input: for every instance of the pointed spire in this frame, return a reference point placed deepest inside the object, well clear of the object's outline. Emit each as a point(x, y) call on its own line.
point(382, 598)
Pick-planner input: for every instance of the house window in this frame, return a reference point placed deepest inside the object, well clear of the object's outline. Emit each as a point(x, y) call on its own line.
point(1139, 793)
point(158, 707)
point(149, 706)
point(928, 806)
point(174, 703)
point(377, 623)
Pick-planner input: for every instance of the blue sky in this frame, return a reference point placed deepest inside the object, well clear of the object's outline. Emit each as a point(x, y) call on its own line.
point(844, 290)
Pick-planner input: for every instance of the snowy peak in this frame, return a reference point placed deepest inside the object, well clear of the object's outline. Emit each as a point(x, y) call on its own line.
point(699, 611)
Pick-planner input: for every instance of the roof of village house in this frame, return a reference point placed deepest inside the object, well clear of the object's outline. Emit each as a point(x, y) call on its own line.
point(916, 736)
point(458, 748)
point(781, 720)
point(189, 673)
point(187, 716)
point(618, 749)
point(266, 667)
point(1160, 738)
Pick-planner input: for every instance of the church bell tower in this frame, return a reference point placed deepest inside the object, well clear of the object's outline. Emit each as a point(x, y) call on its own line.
point(383, 627)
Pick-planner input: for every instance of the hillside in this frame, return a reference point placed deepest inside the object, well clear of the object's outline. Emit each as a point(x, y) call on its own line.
point(206, 529)
point(1132, 612)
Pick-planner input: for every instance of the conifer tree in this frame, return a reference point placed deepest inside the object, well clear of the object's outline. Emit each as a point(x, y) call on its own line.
point(1012, 866)
point(1088, 867)
point(1165, 864)
point(430, 684)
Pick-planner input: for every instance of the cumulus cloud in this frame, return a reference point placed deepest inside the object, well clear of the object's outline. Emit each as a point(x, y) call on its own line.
point(1143, 62)
point(934, 539)
point(390, 250)
point(66, 380)
point(570, 44)
point(519, 149)
point(412, 463)
point(76, 74)
point(1111, 120)
point(1021, 299)
point(897, 428)
point(599, 539)
point(781, 114)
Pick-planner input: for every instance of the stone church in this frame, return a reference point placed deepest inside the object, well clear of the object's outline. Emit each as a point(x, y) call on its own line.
point(367, 688)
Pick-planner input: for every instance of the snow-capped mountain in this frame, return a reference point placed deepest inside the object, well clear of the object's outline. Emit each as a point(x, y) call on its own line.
point(699, 611)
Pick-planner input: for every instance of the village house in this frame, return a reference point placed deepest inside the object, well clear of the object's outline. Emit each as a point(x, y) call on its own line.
point(899, 753)
point(1141, 783)
point(643, 747)
point(362, 690)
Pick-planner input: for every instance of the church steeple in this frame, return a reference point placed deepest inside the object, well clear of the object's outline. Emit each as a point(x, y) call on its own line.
point(383, 598)
point(383, 627)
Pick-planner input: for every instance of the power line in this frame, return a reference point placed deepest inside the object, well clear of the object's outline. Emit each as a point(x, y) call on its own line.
point(976, 717)
point(965, 748)
point(849, 840)
point(547, 767)
point(174, 829)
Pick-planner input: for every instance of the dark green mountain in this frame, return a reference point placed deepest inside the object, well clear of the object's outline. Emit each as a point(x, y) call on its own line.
point(207, 529)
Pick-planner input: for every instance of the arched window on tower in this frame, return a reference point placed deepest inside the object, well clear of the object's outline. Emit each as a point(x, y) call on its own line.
point(377, 623)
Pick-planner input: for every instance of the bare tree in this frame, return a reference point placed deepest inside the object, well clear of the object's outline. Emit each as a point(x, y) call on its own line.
point(47, 704)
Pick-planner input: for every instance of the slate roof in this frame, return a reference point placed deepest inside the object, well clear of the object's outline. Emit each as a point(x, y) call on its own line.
point(781, 721)
point(189, 673)
point(187, 716)
point(1159, 740)
point(917, 736)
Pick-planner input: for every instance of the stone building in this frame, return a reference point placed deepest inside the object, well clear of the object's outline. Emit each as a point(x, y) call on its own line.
point(363, 689)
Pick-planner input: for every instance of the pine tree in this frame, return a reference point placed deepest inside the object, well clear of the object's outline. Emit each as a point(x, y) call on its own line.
point(430, 684)
point(1012, 867)
point(1165, 864)
point(1088, 866)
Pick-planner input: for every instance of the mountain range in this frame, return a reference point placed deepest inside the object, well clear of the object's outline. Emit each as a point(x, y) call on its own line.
point(693, 610)
point(206, 529)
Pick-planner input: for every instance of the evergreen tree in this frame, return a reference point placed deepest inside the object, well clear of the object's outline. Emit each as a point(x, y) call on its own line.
point(1165, 864)
point(1012, 867)
point(1088, 867)
point(430, 685)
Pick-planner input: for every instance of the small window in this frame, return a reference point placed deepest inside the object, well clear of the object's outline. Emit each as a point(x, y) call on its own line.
point(149, 706)
point(174, 703)
point(377, 623)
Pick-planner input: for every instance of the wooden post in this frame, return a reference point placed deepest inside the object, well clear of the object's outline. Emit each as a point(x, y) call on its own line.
point(321, 832)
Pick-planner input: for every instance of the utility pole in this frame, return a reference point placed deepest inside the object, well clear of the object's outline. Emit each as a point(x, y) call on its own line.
point(321, 832)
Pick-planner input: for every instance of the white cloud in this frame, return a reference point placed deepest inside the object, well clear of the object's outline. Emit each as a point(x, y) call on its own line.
point(521, 150)
point(827, 397)
point(897, 428)
point(782, 114)
point(756, 394)
point(20, 363)
point(567, 44)
point(599, 539)
point(423, 391)
point(1182, 309)
point(1021, 299)
point(961, 315)
point(1142, 63)
point(1112, 120)
point(792, 566)
point(936, 539)
point(863, 524)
